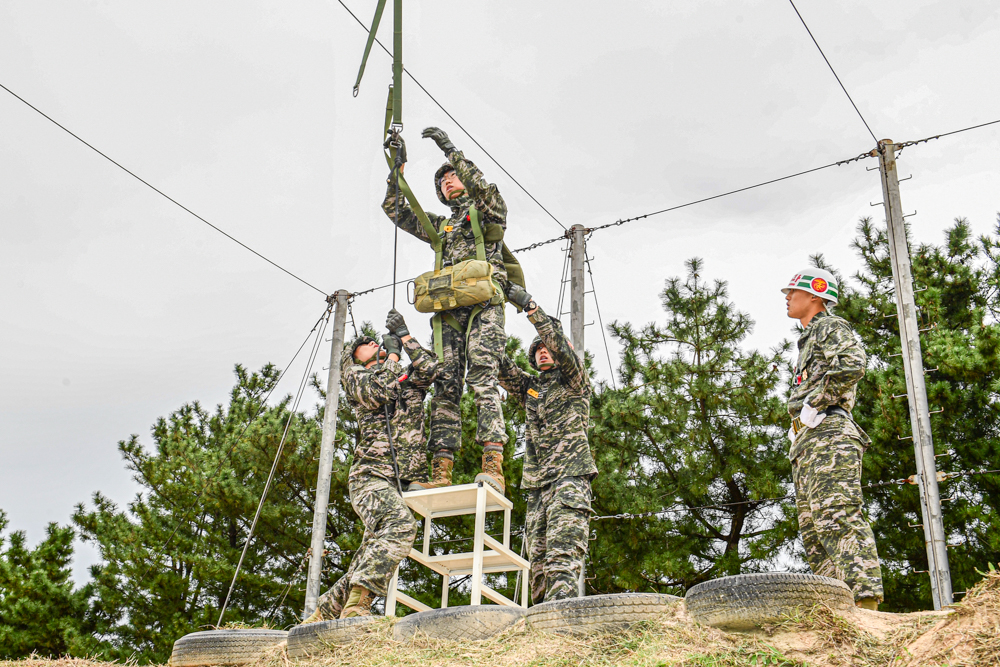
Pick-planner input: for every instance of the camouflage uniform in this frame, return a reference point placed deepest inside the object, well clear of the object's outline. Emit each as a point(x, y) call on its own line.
point(558, 465)
point(390, 527)
point(826, 460)
point(482, 352)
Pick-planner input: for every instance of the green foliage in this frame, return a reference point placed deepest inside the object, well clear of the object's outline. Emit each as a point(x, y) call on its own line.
point(168, 558)
point(39, 610)
point(697, 422)
point(958, 305)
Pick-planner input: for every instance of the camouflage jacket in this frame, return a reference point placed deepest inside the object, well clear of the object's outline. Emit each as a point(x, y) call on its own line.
point(557, 408)
point(460, 243)
point(830, 364)
point(369, 390)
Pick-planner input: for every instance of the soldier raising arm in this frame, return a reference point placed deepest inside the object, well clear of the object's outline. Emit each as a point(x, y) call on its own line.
point(373, 384)
point(827, 445)
point(475, 340)
point(558, 465)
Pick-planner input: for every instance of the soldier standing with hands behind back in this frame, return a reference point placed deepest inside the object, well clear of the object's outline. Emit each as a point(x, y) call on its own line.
point(827, 445)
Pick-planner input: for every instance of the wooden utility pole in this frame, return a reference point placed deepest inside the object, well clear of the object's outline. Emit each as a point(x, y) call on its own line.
point(326, 453)
point(916, 389)
point(577, 255)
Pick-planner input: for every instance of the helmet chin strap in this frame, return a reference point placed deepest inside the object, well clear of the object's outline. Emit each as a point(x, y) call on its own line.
point(547, 366)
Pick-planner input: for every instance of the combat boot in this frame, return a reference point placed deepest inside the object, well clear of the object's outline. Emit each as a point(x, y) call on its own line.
point(441, 466)
point(492, 472)
point(359, 603)
point(314, 617)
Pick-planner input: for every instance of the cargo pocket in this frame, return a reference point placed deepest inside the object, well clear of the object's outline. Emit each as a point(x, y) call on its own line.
point(574, 494)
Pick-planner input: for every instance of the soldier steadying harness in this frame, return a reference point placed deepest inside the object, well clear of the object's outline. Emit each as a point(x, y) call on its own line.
point(827, 445)
point(371, 384)
point(558, 465)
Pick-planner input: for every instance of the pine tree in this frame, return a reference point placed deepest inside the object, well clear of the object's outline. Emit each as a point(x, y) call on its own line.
point(169, 557)
point(958, 303)
point(697, 429)
point(40, 612)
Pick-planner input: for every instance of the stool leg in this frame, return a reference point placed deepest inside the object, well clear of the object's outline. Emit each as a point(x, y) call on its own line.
point(477, 553)
point(445, 587)
point(390, 598)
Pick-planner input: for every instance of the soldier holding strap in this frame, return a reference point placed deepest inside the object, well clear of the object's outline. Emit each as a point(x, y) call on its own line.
point(827, 445)
point(473, 337)
point(558, 465)
point(384, 396)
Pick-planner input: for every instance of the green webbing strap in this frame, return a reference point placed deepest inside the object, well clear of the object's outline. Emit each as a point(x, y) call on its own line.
point(397, 62)
point(390, 158)
point(371, 40)
point(439, 336)
point(478, 231)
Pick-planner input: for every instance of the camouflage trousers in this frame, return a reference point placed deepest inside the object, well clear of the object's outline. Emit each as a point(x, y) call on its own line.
point(480, 354)
point(838, 541)
point(389, 533)
point(557, 530)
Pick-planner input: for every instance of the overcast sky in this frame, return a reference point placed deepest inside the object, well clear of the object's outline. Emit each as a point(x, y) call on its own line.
point(117, 306)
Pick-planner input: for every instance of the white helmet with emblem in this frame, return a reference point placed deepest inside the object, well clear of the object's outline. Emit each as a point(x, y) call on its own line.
point(815, 281)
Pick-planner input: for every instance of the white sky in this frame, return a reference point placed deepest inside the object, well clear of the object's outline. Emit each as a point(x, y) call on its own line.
point(117, 306)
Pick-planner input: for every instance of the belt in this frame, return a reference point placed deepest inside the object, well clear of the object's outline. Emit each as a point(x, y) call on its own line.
point(797, 424)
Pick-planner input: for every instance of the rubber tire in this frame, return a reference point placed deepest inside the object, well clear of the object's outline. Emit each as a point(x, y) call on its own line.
point(745, 601)
point(599, 613)
point(463, 623)
point(223, 647)
point(314, 638)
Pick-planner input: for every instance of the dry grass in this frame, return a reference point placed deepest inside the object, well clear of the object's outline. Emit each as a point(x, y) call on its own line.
point(968, 636)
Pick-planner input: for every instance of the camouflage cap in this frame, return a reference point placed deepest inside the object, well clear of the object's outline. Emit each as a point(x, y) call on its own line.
point(537, 342)
point(347, 359)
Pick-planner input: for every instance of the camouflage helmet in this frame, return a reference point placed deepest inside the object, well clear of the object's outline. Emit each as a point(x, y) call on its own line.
point(537, 343)
point(438, 175)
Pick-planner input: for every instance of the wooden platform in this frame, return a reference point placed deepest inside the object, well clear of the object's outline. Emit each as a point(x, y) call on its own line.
point(488, 555)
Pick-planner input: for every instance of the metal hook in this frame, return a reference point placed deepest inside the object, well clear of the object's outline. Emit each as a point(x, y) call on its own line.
point(356, 90)
point(911, 214)
point(906, 179)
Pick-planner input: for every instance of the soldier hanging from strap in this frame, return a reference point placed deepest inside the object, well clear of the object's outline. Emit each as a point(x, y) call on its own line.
point(384, 396)
point(474, 337)
point(827, 445)
point(558, 465)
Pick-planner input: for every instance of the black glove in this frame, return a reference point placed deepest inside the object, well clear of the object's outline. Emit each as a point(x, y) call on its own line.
point(396, 325)
point(519, 296)
point(440, 137)
point(392, 345)
point(397, 140)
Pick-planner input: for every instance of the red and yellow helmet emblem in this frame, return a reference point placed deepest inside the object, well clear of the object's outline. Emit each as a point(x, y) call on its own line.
point(818, 285)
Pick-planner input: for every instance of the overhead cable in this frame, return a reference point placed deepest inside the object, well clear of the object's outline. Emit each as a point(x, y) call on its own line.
point(156, 189)
point(263, 405)
point(446, 112)
point(834, 71)
point(303, 383)
point(938, 136)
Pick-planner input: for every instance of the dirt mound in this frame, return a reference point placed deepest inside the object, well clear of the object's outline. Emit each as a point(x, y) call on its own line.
point(969, 637)
point(968, 634)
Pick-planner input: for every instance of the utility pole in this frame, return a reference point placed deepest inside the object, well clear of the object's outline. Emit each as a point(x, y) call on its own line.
point(916, 389)
point(326, 453)
point(577, 254)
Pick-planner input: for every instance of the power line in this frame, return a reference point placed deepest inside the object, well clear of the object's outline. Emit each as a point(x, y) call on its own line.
point(274, 466)
point(600, 322)
point(834, 71)
point(263, 405)
point(157, 190)
point(938, 136)
point(440, 106)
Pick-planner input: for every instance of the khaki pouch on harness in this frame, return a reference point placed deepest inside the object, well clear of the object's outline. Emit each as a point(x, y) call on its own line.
point(465, 284)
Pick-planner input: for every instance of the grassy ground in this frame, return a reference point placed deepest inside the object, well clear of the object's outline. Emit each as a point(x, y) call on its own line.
point(968, 635)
